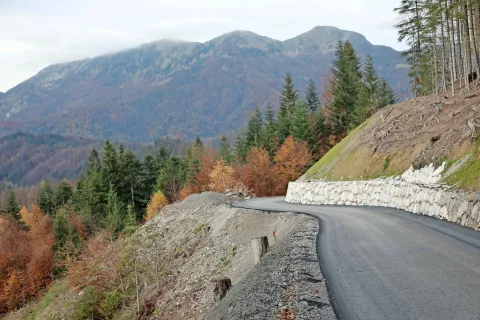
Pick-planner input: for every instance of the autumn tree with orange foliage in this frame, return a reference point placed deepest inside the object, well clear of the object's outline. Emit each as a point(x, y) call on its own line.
point(157, 202)
point(256, 174)
point(26, 259)
point(291, 160)
point(222, 177)
point(201, 163)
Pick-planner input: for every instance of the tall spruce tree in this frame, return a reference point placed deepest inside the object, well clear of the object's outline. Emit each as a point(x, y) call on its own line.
point(109, 169)
point(346, 78)
point(241, 147)
point(62, 194)
point(386, 95)
point(254, 129)
point(312, 98)
point(12, 208)
point(288, 100)
point(225, 150)
point(299, 127)
point(269, 131)
point(46, 198)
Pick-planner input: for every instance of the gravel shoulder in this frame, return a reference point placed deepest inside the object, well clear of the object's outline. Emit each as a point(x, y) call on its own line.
point(287, 284)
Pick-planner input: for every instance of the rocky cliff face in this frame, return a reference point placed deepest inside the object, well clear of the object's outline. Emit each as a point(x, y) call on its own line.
point(179, 88)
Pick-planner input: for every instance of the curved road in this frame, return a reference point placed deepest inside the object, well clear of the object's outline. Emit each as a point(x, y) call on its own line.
point(382, 263)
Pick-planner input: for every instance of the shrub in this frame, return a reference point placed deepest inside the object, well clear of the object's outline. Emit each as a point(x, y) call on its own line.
point(221, 177)
point(85, 306)
point(157, 202)
point(111, 302)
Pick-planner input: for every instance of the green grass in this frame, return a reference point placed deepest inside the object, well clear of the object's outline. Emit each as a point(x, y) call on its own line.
point(315, 172)
point(53, 292)
point(467, 177)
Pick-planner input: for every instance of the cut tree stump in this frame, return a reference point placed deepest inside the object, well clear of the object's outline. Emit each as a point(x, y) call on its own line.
point(205, 231)
point(260, 247)
point(222, 285)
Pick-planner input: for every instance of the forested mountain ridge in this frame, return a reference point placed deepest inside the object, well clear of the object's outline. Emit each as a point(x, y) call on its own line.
point(27, 159)
point(180, 88)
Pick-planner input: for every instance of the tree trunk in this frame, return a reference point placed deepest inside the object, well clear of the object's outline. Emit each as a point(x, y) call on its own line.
point(260, 247)
point(451, 47)
point(468, 47)
point(222, 286)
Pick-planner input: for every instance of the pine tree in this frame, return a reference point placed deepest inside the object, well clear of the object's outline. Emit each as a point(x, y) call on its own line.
point(62, 194)
point(386, 95)
point(254, 129)
point(94, 163)
point(269, 131)
point(116, 214)
point(12, 208)
point(46, 199)
point(130, 222)
point(225, 150)
point(319, 134)
point(312, 98)
point(241, 147)
point(288, 100)
point(149, 174)
point(347, 75)
point(109, 164)
point(299, 127)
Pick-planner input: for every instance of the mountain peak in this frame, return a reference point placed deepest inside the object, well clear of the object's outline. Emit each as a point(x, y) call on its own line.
point(323, 39)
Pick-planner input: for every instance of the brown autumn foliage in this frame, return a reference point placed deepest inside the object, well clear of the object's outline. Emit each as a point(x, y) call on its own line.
point(222, 177)
point(157, 202)
point(291, 160)
point(98, 265)
point(256, 174)
point(200, 180)
point(26, 260)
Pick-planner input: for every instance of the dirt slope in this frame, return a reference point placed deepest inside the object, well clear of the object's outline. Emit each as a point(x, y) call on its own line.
point(415, 132)
point(188, 259)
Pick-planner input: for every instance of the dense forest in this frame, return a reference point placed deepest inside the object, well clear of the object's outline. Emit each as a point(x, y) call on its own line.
point(71, 225)
point(444, 44)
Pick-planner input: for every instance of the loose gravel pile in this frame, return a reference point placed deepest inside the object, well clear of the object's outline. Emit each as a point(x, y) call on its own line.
point(287, 284)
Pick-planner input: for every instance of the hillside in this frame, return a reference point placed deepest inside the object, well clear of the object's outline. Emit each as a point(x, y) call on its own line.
point(180, 88)
point(27, 159)
point(174, 243)
point(414, 132)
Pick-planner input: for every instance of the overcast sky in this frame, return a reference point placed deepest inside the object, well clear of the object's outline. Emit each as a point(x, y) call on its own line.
point(37, 33)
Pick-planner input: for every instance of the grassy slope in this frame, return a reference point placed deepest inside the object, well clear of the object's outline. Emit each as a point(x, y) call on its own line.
point(416, 132)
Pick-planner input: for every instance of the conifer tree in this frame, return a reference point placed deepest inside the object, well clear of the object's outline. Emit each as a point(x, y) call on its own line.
point(225, 150)
point(312, 98)
point(269, 131)
point(241, 147)
point(254, 129)
point(12, 208)
point(347, 75)
point(288, 100)
point(149, 174)
point(109, 164)
point(116, 214)
point(386, 95)
point(299, 127)
point(62, 194)
point(46, 199)
point(94, 163)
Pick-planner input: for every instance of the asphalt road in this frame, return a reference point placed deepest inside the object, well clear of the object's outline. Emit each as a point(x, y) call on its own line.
point(382, 263)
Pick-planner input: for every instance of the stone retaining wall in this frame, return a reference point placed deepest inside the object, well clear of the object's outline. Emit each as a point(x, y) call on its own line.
point(455, 206)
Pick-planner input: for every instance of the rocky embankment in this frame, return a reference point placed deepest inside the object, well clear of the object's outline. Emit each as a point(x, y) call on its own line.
point(287, 284)
point(417, 191)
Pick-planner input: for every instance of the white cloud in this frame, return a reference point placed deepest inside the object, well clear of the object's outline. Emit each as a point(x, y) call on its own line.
point(193, 21)
point(35, 34)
